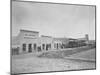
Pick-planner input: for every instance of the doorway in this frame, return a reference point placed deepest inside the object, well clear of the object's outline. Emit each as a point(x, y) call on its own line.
point(43, 46)
point(24, 47)
point(30, 48)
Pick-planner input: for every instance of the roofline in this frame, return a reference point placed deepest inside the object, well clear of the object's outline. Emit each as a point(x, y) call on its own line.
point(29, 31)
point(46, 36)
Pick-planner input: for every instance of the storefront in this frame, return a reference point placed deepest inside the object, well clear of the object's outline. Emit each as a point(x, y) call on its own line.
point(29, 41)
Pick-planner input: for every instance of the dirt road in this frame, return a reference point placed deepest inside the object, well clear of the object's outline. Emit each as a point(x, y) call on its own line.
point(36, 64)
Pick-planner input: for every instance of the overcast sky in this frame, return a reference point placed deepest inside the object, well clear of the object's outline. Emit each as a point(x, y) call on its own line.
point(54, 19)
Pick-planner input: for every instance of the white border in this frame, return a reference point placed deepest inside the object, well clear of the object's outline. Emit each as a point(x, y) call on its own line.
point(5, 37)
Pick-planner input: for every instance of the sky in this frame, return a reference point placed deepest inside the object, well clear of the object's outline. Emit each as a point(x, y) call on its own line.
point(56, 20)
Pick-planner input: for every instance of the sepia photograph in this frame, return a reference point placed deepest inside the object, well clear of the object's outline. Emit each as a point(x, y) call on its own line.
point(52, 37)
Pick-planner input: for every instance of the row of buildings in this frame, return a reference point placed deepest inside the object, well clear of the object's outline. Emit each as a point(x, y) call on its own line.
point(29, 41)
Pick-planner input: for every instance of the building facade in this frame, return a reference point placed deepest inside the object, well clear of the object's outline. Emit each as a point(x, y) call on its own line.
point(29, 41)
